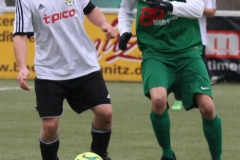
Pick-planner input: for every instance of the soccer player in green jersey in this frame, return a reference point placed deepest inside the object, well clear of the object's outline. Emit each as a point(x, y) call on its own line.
point(169, 38)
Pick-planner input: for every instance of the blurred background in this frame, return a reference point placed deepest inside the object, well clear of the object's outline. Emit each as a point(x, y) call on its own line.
point(221, 4)
point(222, 50)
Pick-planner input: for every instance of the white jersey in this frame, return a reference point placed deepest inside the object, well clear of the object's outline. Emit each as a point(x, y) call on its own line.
point(63, 49)
point(203, 24)
point(2, 6)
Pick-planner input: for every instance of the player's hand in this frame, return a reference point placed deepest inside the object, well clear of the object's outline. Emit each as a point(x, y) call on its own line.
point(110, 31)
point(167, 6)
point(124, 38)
point(22, 76)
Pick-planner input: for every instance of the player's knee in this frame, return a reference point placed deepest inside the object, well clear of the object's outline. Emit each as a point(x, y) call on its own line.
point(104, 112)
point(159, 101)
point(207, 110)
point(109, 117)
point(50, 126)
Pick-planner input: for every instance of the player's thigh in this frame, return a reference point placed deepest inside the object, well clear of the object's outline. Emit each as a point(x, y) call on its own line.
point(49, 96)
point(87, 92)
point(156, 73)
point(193, 78)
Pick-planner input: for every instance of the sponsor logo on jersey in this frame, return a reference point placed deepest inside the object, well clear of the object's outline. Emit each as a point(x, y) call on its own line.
point(58, 16)
point(204, 88)
point(41, 6)
point(195, 47)
point(69, 2)
point(154, 16)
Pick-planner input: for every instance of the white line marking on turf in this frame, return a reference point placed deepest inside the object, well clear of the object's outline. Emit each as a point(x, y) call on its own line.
point(12, 88)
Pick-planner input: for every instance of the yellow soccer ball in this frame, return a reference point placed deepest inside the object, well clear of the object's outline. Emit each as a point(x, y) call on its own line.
point(88, 156)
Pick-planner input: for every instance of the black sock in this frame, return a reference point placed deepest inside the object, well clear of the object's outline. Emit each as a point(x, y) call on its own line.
point(100, 141)
point(49, 150)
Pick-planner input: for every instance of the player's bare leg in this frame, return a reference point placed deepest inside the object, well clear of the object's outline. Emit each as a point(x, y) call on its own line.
point(49, 141)
point(160, 121)
point(101, 130)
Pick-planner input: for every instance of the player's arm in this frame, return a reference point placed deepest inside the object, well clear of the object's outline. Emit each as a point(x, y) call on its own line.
point(210, 8)
point(95, 16)
point(20, 51)
point(22, 30)
point(191, 9)
point(126, 16)
point(209, 12)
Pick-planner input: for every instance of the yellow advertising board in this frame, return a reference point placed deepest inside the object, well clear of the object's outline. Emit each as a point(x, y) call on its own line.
point(116, 65)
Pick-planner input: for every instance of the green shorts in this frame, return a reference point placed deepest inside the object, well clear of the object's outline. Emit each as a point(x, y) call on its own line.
point(182, 75)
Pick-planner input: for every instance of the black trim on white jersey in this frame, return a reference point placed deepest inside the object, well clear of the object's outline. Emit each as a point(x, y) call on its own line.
point(88, 9)
point(19, 17)
point(28, 34)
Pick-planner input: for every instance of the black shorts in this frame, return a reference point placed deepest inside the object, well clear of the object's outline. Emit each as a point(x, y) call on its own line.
point(81, 94)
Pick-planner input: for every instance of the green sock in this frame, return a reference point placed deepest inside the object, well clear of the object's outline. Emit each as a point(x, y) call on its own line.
point(161, 127)
point(213, 134)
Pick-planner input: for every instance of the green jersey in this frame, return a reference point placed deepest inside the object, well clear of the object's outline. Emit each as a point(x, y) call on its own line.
point(157, 30)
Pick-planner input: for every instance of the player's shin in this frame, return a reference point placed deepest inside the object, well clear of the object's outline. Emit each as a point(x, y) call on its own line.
point(100, 141)
point(161, 127)
point(49, 149)
point(213, 134)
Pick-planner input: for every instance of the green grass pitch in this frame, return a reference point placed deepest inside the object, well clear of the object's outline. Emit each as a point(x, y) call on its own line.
point(132, 136)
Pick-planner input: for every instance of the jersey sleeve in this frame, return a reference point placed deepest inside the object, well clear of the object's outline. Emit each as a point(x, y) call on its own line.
point(210, 4)
point(23, 19)
point(191, 9)
point(126, 16)
point(88, 9)
point(84, 3)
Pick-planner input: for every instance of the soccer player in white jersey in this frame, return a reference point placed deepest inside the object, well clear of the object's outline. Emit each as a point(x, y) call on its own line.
point(2, 6)
point(209, 12)
point(66, 67)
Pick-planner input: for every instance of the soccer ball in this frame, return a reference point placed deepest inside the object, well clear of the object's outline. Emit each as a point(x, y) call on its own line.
point(88, 156)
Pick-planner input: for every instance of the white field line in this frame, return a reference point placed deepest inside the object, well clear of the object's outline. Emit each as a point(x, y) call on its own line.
point(12, 88)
